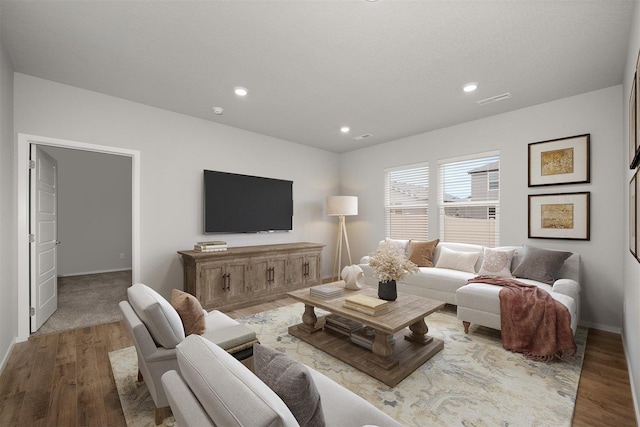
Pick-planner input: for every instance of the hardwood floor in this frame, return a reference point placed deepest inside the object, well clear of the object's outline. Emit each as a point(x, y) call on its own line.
point(65, 379)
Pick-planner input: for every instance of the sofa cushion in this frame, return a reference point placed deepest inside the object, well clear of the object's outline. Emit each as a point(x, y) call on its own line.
point(229, 392)
point(540, 264)
point(421, 252)
point(496, 263)
point(456, 260)
point(399, 246)
point(160, 318)
point(292, 382)
point(190, 311)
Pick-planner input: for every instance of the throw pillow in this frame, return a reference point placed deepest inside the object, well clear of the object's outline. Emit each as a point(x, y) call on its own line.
point(456, 260)
point(496, 263)
point(190, 311)
point(540, 264)
point(399, 246)
point(421, 253)
point(291, 381)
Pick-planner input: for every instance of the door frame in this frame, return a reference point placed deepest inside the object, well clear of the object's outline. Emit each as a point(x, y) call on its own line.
point(22, 215)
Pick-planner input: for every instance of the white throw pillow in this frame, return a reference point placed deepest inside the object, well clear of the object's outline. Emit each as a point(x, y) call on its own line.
point(496, 263)
point(399, 246)
point(455, 260)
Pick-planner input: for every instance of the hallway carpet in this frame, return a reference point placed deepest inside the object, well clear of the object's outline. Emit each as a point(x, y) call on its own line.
point(88, 300)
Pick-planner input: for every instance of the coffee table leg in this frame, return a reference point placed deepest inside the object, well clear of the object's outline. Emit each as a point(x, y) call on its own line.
point(419, 333)
point(309, 319)
point(381, 345)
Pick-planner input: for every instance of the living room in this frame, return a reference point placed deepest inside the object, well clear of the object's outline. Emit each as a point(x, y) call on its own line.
point(175, 148)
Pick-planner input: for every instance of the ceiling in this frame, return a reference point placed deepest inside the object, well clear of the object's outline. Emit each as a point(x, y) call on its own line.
point(387, 68)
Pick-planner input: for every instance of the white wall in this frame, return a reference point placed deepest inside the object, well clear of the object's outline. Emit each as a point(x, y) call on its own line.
point(175, 149)
point(94, 211)
point(631, 320)
point(598, 113)
point(8, 272)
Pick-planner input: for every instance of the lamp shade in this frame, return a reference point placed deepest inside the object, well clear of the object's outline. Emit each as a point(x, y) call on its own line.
point(342, 205)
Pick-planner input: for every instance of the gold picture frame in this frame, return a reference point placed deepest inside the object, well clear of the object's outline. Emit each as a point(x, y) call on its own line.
point(560, 216)
point(633, 216)
point(560, 161)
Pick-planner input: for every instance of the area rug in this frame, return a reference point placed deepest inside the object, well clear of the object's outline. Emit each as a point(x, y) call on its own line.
point(472, 382)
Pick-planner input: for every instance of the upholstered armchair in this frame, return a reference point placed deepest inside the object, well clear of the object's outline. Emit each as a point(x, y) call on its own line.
point(156, 329)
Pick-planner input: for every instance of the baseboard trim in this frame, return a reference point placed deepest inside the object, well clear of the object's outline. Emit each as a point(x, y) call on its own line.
point(5, 359)
point(94, 272)
point(634, 396)
point(601, 327)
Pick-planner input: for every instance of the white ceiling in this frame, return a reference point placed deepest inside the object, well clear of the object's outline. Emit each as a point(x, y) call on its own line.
point(388, 68)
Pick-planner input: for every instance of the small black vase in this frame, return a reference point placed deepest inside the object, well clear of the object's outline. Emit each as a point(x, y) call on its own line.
point(387, 290)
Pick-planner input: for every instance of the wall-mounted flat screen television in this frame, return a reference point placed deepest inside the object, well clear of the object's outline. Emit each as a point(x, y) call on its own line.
point(235, 203)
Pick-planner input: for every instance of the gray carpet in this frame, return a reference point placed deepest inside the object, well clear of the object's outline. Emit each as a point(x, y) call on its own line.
point(88, 300)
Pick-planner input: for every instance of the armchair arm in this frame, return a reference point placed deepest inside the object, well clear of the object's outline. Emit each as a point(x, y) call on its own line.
point(162, 354)
point(567, 287)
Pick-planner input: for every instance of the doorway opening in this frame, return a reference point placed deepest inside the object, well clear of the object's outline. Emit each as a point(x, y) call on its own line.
point(24, 283)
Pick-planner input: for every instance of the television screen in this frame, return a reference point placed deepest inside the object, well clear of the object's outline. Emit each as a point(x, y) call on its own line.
point(236, 203)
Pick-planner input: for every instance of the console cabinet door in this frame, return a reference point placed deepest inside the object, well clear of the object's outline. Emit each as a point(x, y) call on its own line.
point(211, 291)
point(296, 271)
point(313, 269)
point(236, 280)
point(278, 274)
point(305, 270)
point(259, 276)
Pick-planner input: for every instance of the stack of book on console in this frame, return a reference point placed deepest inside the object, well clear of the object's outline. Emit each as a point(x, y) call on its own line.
point(341, 325)
point(328, 291)
point(215, 246)
point(367, 305)
point(365, 337)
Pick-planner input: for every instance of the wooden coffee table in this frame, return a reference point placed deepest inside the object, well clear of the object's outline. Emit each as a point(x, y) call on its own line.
point(389, 363)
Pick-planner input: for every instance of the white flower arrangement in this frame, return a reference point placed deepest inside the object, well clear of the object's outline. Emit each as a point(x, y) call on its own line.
point(390, 265)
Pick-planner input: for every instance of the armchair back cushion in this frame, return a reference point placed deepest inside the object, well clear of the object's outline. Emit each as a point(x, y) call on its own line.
point(162, 320)
point(227, 390)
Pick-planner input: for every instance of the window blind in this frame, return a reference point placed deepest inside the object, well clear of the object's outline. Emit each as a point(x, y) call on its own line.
point(407, 202)
point(469, 199)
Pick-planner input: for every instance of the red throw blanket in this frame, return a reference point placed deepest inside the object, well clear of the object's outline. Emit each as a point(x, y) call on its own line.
point(532, 322)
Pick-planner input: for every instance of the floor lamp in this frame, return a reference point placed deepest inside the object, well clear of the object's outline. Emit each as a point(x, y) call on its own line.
point(341, 206)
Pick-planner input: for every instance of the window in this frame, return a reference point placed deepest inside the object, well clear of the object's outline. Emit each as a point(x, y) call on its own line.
point(469, 199)
point(493, 180)
point(406, 195)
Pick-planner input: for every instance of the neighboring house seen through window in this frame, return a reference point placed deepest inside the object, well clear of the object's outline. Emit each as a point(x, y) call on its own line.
point(469, 199)
point(406, 195)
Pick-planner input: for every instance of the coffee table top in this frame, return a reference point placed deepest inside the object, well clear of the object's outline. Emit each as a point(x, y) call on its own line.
point(404, 311)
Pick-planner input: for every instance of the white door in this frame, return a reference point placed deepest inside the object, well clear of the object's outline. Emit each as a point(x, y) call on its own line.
point(44, 229)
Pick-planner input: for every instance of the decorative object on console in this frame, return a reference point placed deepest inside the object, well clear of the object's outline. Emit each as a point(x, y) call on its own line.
point(353, 277)
point(341, 206)
point(215, 246)
point(559, 161)
point(559, 216)
point(389, 265)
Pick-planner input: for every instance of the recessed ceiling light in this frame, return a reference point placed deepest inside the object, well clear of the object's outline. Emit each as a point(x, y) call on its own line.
point(240, 91)
point(470, 87)
point(345, 129)
point(218, 111)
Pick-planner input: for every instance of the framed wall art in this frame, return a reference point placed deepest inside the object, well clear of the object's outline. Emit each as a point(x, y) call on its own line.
point(633, 217)
point(636, 178)
point(634, 153)
point(559, 161)
point(559, 216)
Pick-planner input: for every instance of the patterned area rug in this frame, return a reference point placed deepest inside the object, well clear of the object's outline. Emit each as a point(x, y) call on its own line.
point(472, 382)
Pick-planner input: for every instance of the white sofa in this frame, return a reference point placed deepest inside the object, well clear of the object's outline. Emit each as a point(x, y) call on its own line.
point(478, 303)
point(211, 388)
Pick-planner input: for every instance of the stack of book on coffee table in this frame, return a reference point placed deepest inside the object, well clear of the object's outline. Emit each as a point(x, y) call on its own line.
point(341, 325)
point(366, 304)
point(365, 336)
point(326, 291)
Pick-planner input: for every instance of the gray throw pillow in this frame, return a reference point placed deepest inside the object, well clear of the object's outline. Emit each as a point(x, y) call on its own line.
point(292, 382)
point(539, 264)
